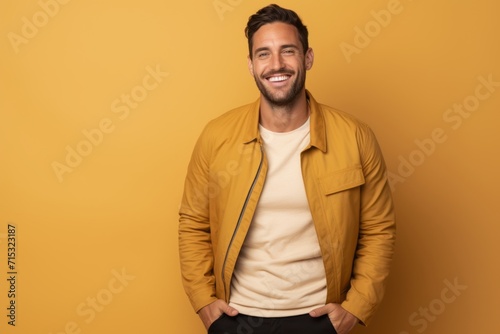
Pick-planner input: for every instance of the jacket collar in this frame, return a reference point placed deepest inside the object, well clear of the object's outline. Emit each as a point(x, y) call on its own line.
point(318, 128)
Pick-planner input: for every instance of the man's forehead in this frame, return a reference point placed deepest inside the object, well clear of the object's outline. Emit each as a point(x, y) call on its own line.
point(276, 33)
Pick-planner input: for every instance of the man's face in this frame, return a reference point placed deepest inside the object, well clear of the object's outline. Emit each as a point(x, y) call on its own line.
point(279, 63)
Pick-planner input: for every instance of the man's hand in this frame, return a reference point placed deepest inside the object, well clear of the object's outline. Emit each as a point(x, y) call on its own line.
point(342, 320)
point(213, 311)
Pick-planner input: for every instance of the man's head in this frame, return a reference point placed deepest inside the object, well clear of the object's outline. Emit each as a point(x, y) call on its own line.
point(274, 13)
point(279, 55)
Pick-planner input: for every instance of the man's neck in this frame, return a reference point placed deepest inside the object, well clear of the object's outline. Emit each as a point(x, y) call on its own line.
point(284, 118)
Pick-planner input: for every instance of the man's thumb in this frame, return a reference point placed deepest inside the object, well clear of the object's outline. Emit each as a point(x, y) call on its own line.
point(318, 312)
point(230, 311)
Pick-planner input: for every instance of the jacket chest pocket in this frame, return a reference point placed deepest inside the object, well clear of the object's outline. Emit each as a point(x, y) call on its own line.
point(342, 180)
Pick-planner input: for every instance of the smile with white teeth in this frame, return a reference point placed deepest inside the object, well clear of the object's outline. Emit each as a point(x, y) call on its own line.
point(279, 78)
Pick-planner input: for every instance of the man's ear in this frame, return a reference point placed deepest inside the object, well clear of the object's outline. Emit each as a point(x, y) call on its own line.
point(250, 65)
point(309, 58)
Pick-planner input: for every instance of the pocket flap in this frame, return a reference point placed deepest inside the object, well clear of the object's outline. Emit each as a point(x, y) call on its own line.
point(341, 180)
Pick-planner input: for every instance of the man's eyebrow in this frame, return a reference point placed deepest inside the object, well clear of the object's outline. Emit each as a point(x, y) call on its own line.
point(285, 46)
point(264, 48)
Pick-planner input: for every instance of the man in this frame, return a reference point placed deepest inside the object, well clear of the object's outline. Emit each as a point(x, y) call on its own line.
point(286, 223)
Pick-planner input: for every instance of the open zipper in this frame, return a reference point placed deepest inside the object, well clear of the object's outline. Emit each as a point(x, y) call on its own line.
point(240, 218)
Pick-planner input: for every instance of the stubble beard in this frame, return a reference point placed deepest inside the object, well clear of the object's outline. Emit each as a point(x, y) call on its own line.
point(280, 100)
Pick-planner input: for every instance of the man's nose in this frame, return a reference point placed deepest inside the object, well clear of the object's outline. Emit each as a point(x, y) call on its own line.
point(277, 61)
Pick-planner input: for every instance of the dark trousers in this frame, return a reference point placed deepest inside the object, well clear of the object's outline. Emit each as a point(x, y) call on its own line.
point(244, 324)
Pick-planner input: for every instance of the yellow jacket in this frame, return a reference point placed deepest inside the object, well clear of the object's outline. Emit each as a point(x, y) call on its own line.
point(347, 189)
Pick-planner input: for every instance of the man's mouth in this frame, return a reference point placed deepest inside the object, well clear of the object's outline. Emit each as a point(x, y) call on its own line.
point(279, 78)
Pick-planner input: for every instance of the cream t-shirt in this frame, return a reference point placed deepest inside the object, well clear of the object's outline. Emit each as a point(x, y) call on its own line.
point(280, 271)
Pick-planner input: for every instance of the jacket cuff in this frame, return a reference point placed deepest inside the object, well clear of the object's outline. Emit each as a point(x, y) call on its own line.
point(359, 307)
point(201, 299)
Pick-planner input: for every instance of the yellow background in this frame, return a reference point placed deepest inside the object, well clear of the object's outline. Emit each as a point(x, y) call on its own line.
point(116, 211)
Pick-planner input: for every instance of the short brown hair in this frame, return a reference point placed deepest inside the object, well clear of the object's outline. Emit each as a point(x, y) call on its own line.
point(275, 13)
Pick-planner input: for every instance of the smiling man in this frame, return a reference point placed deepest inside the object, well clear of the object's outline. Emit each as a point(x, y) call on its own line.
point(286, 223)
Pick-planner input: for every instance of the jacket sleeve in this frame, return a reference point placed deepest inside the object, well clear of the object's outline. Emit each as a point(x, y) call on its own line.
point(195, 246)
point(377, 232)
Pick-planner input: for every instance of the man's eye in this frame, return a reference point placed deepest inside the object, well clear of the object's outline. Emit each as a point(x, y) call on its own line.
point(288, 51)
point(263, 54)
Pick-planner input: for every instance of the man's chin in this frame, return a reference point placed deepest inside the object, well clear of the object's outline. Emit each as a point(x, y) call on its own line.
point(280, 101)
point(278, 96)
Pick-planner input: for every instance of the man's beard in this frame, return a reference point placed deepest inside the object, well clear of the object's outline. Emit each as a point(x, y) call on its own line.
point(278, 100)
